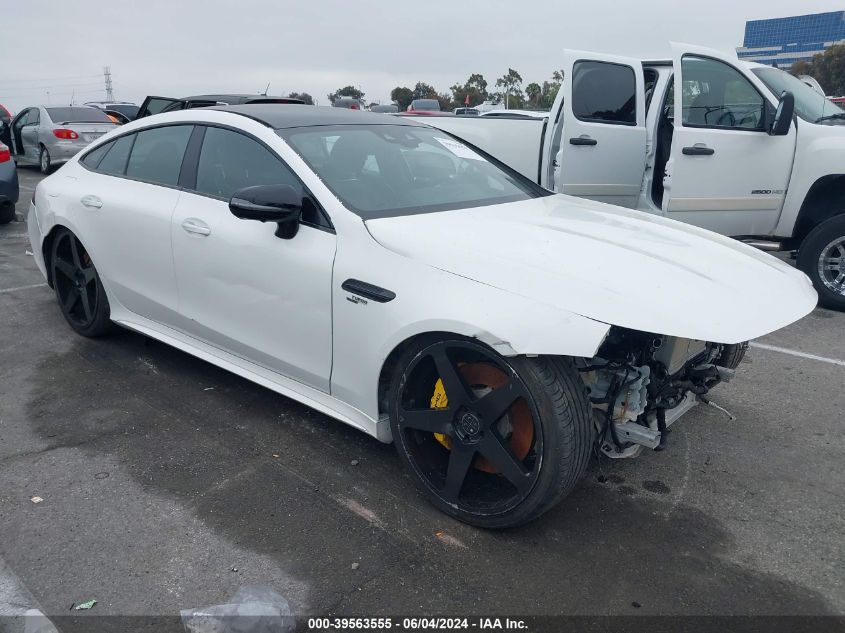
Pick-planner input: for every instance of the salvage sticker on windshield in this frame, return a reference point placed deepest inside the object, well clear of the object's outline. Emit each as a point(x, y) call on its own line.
point(458, 149)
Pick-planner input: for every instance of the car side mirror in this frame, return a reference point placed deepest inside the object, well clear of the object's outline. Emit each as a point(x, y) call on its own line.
point(783, 115)
point(281, 204)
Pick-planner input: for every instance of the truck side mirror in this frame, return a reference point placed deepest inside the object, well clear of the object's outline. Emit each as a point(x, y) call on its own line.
point(783, 115)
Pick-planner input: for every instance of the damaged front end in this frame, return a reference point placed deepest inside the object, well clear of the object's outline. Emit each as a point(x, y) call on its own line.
point(640, 384)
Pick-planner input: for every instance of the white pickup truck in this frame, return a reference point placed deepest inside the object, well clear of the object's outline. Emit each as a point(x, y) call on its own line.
point(742, 149)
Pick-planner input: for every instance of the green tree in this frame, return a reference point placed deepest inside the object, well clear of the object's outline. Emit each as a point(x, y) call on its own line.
point(475, 88)
point(828, 69)
point(402, 97)
point(511, 87)
point(424, 91)
point(303, 96)
point(534, 92)
point(346, 91)
point(801, 67)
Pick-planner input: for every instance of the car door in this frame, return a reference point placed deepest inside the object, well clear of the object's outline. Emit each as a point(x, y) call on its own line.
point(725, 172)
point(154, 105)
point(22, 137)
point(241, 288)
point(124, 208)
point(599, 136)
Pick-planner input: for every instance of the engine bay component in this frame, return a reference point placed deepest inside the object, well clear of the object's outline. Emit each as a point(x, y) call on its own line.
point(640, 384)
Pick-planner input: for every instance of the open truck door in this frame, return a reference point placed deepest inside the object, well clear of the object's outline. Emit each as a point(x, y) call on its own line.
point(155, 105)
point(597, 137)
point(726, 172)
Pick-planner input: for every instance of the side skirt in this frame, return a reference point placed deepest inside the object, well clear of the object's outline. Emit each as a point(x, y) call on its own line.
point(322, 402)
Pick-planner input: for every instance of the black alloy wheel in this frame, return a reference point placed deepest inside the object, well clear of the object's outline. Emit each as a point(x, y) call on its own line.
point(493, 441)
point(79, 291)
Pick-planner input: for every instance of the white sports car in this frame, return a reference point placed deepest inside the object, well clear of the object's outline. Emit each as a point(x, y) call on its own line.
point(398, 279)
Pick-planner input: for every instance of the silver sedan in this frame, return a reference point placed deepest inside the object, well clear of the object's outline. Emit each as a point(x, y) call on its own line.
point(50, 135)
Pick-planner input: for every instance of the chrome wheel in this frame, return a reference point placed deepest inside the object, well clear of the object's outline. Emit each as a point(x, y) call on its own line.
point(832, 265)
point(44, 159)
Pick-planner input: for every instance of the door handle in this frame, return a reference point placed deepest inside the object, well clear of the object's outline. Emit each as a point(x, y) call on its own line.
point(196, 227)
point(698, 150)
point(583, 140)
point(92, 202)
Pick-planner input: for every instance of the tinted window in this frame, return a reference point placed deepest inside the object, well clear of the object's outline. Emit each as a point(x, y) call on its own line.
point(426, 104)
point(114, 161)
point(158, 104)
point(33, 117)
point(604, 93)
point(130, 111)
point(82, 114)
point(92, 159)
point(230, 161)
point(390, 170)
point(157, 154)
point(717, 95)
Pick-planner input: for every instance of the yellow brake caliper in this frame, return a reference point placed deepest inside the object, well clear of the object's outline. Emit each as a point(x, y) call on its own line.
point(439, 401)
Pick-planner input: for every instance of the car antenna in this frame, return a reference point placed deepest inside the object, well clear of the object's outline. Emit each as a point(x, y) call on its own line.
point(266, 89)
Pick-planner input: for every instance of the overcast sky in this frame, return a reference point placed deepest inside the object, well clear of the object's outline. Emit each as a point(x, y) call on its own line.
point(184, 47)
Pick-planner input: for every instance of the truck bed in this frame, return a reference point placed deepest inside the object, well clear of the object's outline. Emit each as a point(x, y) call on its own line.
point(516, 142)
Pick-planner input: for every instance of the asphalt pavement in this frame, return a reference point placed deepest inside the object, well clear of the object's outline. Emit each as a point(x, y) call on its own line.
point(167, 483)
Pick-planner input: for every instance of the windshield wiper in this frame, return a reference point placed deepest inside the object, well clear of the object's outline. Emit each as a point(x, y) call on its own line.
point(830, 117)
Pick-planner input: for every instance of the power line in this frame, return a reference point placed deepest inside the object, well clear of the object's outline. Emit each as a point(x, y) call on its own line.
point(51, 78)
point(17, 89)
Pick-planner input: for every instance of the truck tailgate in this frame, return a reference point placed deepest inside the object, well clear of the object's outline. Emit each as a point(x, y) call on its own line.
point(515, 142)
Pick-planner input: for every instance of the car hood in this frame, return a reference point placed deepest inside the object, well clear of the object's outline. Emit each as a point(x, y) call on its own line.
point(610, 264)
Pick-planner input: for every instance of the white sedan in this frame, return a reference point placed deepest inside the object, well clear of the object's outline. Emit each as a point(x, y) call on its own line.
point(403, 282)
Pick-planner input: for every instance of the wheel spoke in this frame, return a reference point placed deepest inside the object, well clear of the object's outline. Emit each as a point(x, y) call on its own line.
point(86, 304)
point(71, 299)
point(460, 460)
point(65, 268)
point(88, 275)
point(74, 249)
point(494, 449)
point(456, 391)
point(495, 404)
point(428, 420)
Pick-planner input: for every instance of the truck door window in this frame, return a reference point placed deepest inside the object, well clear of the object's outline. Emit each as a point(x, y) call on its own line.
point(715, 95)
point(603, 92)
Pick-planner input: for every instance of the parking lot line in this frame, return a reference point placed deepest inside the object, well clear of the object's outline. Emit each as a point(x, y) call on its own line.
point(792, 352)
point(5, 290)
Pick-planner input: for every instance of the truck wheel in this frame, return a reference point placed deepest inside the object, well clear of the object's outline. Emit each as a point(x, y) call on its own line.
point(732, 355)
point(492, 441)
point(822, 257)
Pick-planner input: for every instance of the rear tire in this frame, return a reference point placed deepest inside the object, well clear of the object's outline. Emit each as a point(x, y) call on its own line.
point(45, 163)
point(7, 212)
point(79, 291)
point(822, 257)
point(502, 480)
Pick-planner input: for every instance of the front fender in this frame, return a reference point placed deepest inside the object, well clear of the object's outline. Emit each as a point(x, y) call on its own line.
point(430, 300)
point(819, 153)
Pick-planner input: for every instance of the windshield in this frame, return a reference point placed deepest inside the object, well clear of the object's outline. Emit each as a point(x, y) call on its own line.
point(82, 114)
point(426, 104)
point(809, 104)
point(380, 171)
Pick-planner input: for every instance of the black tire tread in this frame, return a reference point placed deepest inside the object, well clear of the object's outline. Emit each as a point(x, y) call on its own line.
point(569, 433)
point(808, 255)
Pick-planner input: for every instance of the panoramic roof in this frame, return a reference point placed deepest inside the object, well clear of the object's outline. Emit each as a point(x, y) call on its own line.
point(280, 115)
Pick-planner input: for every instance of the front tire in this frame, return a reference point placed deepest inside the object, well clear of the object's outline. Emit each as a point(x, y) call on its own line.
point(79, 291)
point(492, 441)
point(45, 162)
point(822, 257)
